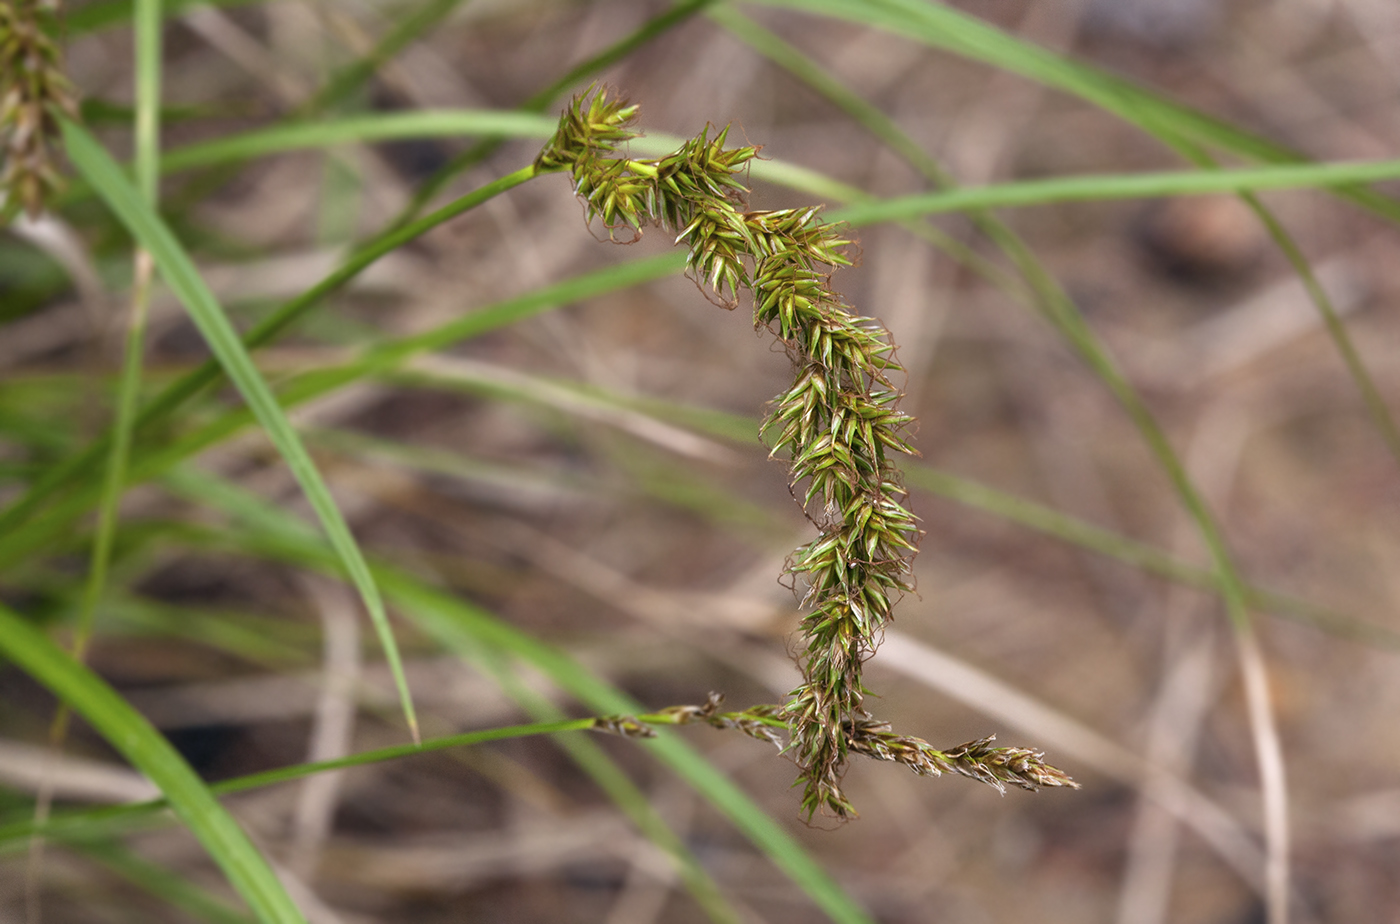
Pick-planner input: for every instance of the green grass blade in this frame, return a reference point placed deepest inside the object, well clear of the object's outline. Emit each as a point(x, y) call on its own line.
point(148, 25)
point(1100, 187)
point(462, 626)
point(265, 640)
point(1371, 396)
point(74, 825)
point(171, 887)
point(942, 27)
point(360, 129)
point(135, 738)
point(179, 272)
point(147, 132)
point(19, 542)
point(76, 468)
point(450, 123)
point(471, 631)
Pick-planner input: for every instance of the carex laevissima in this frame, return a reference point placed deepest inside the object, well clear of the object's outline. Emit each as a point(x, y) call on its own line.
point(838, 425)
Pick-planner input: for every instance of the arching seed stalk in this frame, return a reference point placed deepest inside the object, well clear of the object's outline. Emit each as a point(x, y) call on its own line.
point(838, 424)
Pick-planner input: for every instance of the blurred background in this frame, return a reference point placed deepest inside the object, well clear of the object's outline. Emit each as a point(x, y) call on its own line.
point(593, 475)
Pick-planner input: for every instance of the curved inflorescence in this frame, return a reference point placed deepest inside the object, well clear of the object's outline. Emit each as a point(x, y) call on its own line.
point(33, 91)
point(838, 424)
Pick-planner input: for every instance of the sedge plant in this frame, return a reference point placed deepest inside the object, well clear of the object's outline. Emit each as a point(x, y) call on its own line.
point(839, 425)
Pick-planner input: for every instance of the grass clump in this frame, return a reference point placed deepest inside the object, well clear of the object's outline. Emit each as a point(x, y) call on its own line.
point(839, 425)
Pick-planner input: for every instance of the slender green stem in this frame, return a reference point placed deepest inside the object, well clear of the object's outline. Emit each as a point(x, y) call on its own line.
point(19, 543)
point(75, 824)
point(147, 22)
point(78, 467)
point(612, 780)
point(148, 59)
point(1376, 407)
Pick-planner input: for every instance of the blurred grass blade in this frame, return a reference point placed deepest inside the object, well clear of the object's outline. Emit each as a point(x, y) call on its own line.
point(182, 277)
point(1376, 406)
point(74, 825)
point(541, 101)
point(165, 884)
point(72, 468)
point(135, 738)
point(939, 26)
point(36, 534)
point(451, 123)
point(409, 28)
point(1117, 186)
point(469, 631)
point(360, 129)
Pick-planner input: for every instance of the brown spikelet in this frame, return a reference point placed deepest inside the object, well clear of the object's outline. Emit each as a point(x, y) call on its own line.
point(33, 91)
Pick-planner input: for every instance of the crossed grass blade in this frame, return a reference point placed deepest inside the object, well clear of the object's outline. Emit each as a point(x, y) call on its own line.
point(265, 531)
point(179, 271)
point(127, 731)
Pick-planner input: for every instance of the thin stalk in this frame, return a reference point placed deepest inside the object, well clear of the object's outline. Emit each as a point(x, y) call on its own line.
point(613, 781)
point(79, 466)
point(1264, 734)
point(147, 26)
point(75, 824)
point(336, 90)
point(1376, 407)
point(39, 534)
point(72, 823)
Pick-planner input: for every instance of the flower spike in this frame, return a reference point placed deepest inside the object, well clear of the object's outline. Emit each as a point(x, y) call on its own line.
point(838, 424)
